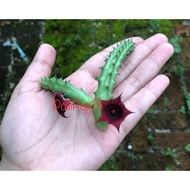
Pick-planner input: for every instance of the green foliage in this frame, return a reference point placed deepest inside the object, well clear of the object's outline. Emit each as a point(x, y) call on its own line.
point(167, 152)
point(109, 164)
point(161, 26)
point(186, 109)
point(187, 147)
point(179, 69)
point(170, 168)
point(166, 101)
point(182, 110)
point(65, 36)
point(150, 110)
point(188, 102)
point(175, 42)
point(150, 137)
point(133, 156)
point(77, 40)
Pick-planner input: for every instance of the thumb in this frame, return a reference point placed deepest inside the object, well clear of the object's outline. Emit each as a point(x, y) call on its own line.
point(41, 65)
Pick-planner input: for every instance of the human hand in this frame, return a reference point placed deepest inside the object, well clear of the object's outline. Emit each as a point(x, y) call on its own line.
point(34, 136)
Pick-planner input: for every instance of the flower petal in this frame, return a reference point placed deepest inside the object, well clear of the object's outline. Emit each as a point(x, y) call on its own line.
point(61, 104)
point(114, 112)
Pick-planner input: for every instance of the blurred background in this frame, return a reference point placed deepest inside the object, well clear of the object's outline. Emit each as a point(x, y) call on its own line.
point(161, 140)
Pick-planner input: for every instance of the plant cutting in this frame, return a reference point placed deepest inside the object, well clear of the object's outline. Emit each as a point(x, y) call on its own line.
point(106, 109)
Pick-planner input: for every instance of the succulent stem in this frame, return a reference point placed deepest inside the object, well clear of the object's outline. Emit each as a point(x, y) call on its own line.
point(69, 91)
point(106, 79)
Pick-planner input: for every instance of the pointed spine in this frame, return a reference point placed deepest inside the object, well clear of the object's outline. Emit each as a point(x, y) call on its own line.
point(69, 91)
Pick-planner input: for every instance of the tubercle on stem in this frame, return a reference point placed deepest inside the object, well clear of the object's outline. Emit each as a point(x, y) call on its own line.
point(59, 85)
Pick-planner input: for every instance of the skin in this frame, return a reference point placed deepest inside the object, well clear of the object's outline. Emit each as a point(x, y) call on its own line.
point(34, 136)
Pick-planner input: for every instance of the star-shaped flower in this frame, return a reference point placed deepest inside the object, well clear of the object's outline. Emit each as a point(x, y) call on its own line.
point(113, 112)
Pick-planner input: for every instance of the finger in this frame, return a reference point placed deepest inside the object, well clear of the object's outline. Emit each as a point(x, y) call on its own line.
point(41, 65)
point(143, 100)
point(140, 53)
point(145, 71)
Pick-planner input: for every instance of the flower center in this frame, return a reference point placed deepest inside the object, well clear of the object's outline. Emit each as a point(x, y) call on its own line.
point(113, 111)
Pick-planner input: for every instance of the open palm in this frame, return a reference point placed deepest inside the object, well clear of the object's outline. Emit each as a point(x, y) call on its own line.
point(34, 136)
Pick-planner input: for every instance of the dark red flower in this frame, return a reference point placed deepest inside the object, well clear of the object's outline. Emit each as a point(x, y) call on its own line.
point(60, 103)
point(114, 112)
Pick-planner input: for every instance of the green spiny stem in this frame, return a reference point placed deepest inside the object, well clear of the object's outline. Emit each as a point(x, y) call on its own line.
point(110, 70)
point(106, 80)
point(69, 91)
